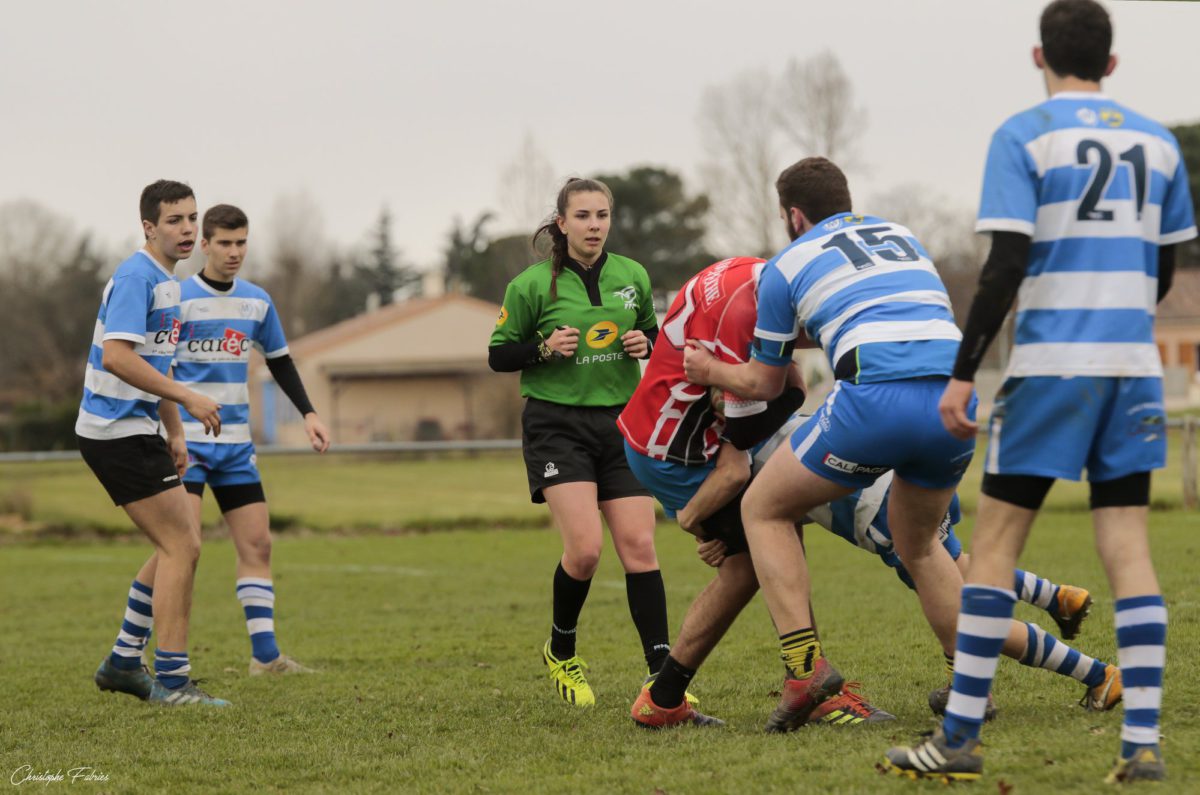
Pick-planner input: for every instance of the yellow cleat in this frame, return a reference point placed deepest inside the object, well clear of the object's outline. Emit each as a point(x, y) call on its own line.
point(1145, 765)
point(568, 678)
point(1105, 695)
point(1071, 607)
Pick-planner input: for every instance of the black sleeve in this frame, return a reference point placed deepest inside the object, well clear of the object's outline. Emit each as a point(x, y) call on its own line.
point(745, 432)
point(1166, 271)
point(283, 370)
point(651, 335)
point(509, 357)
point(998, 285)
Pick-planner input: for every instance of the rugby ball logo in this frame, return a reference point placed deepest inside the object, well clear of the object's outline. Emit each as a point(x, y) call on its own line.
point(602, 334)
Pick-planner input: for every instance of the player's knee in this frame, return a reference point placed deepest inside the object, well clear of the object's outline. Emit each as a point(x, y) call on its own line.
point(183, 544)
point(738, 571)
point(258, 549)
point(639, 554)
point(581, 564)
point(911, 549)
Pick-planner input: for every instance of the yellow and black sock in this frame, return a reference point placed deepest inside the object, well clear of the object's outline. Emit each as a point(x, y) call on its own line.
point(949, 660)
point(800, 651)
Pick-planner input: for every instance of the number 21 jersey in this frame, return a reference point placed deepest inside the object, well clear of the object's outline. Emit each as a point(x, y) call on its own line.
point(1098, 188)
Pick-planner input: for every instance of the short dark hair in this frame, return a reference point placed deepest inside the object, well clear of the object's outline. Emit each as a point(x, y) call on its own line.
point(1076, 38)
point(816, 187)
point(222, 216)
point(156, 194)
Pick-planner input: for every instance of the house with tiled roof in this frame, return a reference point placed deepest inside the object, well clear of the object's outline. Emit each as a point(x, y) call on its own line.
point(415, 370)
point(1177, 332)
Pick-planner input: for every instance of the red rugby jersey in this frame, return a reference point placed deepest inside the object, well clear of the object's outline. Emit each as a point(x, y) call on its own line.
point(669, 418)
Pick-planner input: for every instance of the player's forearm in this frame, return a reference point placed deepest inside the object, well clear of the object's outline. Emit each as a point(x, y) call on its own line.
point(998, 286)
point(730, 476)
point(1166, 271)
point(752, 380)
point(284, 371)
point(120, 359)
point(511, 357)
point(168, 413)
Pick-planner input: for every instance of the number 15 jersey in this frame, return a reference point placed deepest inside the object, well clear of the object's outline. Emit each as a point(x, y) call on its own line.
point(867, 292)
point(1099, 189)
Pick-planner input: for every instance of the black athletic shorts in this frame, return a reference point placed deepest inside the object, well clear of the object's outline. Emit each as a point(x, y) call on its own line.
point(571, 444)
point(726, 524)
point(229, 498)
point(130, 468)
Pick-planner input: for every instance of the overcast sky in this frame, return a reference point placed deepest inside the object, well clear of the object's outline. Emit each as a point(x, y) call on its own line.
point(419, 105)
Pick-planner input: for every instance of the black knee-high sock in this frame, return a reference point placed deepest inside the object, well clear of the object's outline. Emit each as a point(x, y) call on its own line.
point(648, 606)
point(671, 684)
point(569, 596)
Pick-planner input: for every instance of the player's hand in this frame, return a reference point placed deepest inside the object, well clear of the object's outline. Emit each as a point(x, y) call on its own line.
point(177, 446)
point(318, 434)
point(711, 551)
point(206, 411)
point(564, 341)
point(696, 363)
point(953, 408)
point(636, 343)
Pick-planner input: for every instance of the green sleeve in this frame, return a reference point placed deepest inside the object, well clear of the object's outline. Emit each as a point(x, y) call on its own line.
point(517, 321)
point(646, 318)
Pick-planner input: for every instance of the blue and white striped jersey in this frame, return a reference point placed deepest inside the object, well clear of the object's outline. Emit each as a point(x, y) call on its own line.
point(140, 304)
point(1098, 188)
point(213, 356)
point(867, 292)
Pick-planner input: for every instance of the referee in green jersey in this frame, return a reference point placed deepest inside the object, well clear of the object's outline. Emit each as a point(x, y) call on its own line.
point(573, 325)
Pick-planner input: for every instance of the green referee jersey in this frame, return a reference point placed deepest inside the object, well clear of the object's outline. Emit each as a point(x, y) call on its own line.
point(600, 373)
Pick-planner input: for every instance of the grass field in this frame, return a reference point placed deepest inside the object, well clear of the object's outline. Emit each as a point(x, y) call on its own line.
point(429, 644)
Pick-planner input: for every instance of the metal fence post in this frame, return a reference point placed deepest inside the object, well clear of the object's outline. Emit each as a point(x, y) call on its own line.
point(1190, 499)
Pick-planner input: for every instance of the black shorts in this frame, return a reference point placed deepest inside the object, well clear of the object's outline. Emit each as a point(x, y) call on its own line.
point(130, 468)
point(572, 444)
point(229, 498)
point(726, 525)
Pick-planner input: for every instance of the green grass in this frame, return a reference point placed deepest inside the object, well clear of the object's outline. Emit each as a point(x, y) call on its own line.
point(353, 493)
point(429, 648)
point(320, 493)
point(431, 679)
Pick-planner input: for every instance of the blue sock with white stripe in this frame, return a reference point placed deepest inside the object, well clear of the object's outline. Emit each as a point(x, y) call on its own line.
point(172, 668)
point(1035, 590)
point(257, 596)
point(1142, 651)
point(983, 624)
point(135, 628)
point(1043, 650)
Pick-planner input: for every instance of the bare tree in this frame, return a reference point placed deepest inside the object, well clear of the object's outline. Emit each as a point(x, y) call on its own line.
point(527, 186)
point(34, 240)
point(947, 231)
point(51, 277)
point(755, 125)
point(295, 250)
point(815, 109)
point(741, 141)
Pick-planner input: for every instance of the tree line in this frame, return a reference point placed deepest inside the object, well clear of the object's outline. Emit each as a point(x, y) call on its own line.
point(52, 273)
